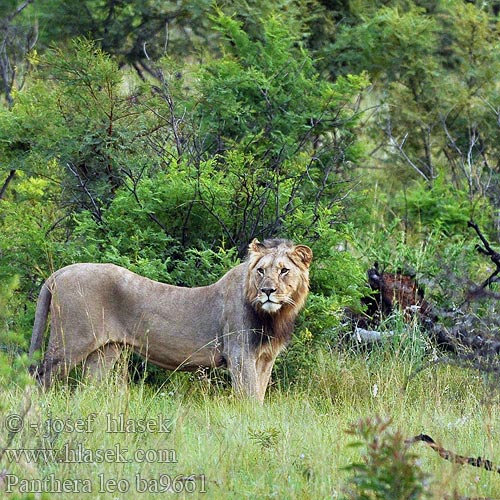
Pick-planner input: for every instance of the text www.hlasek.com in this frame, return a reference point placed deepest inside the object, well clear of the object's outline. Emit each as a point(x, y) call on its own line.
point(80, 454)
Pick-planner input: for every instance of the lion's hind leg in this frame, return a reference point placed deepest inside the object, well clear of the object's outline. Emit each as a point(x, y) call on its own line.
point(99, 363)
point(47, 371)
point(56, 365)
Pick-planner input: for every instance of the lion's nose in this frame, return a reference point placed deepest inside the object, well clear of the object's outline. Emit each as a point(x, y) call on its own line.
point(268, 291)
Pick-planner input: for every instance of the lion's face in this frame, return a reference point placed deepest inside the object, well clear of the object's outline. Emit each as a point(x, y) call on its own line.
point(278, 275)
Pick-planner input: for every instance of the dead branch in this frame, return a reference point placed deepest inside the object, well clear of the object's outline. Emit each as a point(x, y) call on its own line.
point(480, 462)
point(423, 170)
point(487, 250)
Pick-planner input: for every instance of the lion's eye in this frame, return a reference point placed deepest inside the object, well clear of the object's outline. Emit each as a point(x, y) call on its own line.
point(284, 271)
point(260, 271)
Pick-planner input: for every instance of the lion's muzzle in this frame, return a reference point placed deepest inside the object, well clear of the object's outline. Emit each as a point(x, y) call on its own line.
point(268, 301)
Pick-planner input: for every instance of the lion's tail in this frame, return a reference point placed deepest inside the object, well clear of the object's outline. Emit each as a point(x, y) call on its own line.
point(41, 315)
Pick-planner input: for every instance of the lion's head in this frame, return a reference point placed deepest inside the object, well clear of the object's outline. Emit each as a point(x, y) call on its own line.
point(278, 276)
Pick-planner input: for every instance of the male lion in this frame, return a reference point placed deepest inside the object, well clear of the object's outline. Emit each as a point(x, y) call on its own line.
point(241, 322)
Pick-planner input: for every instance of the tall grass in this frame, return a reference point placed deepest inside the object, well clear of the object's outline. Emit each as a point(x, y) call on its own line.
point(295, 446)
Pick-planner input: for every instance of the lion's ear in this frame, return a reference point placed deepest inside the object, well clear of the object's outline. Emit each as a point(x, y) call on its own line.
point(304, 253)
point(256, 246)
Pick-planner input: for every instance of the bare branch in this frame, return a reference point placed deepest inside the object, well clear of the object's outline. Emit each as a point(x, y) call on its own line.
point(11, 175)
point(454, 457)
point(399, 147)
point(18, 10)
point(83, 185)
point(487, 250)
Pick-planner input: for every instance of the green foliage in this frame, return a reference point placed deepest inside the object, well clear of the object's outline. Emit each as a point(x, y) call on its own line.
point(174, 181)
point(277, 137)
point(264, 89)
point(433, 71)
point(100, 130)
point(389, 471)
point(122, 29)
point(143, 250)
point(76, 115)
point(203, 267)
point(131, 239)
point(266, 94)
point(430, 208)
point(30, 245)
point(394, 43)
point(13, 363)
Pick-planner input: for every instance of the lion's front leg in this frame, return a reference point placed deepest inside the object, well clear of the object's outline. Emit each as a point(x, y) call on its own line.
point(250, 375)
point(242, 368)
point(264, 366)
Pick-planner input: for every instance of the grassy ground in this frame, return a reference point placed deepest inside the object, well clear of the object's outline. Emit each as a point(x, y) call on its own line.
point(295, 446)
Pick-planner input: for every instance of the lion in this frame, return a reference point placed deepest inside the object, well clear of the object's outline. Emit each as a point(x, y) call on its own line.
point(241, 322)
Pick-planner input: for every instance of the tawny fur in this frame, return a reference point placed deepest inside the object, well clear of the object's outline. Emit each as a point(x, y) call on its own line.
point(241, 322)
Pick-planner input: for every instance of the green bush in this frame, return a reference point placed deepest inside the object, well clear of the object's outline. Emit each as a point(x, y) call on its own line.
point(388, 471)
